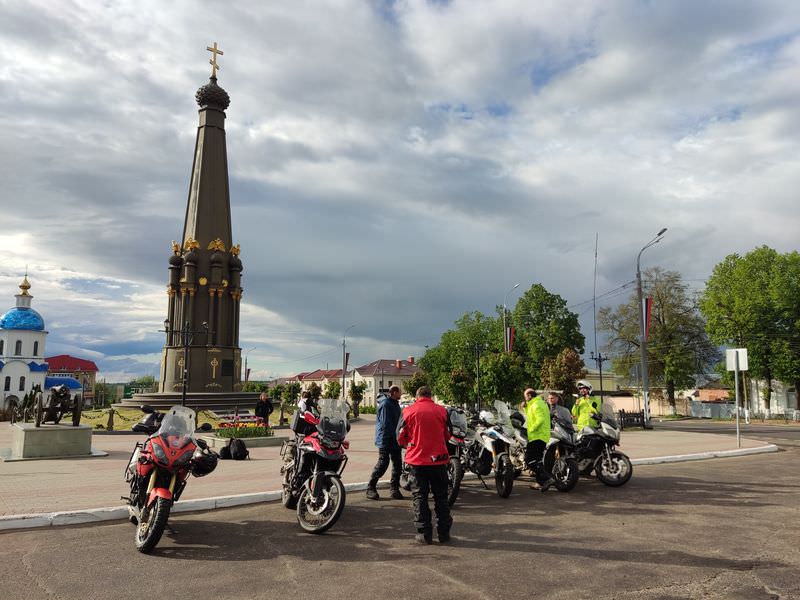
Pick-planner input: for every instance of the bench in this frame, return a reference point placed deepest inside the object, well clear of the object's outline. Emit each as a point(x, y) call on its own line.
point(631, 419)
point(235, 416)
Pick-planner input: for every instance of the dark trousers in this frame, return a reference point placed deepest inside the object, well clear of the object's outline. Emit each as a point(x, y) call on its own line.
point(425, 480)
point(384, 455)
point(534, 453)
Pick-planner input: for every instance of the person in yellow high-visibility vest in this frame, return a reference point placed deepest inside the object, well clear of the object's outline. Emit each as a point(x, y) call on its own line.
point(585, 406)
point(537, 419)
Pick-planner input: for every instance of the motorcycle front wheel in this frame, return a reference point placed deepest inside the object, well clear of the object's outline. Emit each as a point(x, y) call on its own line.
point(152, 522)
point(317, 516)
point(616, 471)
point(504, 476)
point(455, 473)
point(565, 473)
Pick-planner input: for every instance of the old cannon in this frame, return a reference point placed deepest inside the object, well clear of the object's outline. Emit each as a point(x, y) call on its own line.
point(57, 404)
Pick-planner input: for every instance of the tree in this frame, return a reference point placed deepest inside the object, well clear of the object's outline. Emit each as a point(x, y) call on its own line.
point(145, 382)
point(457, 387)
point(545, 326)
point(785, 294)
point(255, 386)
point(416, 381)
point(742, 309)
point(562, 372)
point(289, 395)
point(333, 389)
point(356, 394)
point(678, 347)
point(503, 377)
point(314, 391)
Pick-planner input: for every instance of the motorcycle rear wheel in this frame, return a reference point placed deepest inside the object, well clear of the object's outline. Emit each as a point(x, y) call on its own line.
point(504, 476)
point(455, 473)
point(615, 473)
point(318, 517)
point(152, 522)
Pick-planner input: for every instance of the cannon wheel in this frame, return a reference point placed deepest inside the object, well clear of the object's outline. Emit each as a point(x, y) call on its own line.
point(38, 411)
point(77, 407)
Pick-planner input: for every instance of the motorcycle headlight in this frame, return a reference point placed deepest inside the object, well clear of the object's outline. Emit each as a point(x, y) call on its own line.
point(329, 443)
point(159, 454)
point(183, 458)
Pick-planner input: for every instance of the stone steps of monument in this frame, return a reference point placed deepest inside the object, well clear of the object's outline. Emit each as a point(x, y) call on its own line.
point(227, 402)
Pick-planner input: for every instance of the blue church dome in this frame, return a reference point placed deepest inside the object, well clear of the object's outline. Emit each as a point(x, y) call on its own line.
point(22, 317)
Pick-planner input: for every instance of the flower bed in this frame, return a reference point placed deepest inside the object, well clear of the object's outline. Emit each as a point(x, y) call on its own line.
point(243, 430)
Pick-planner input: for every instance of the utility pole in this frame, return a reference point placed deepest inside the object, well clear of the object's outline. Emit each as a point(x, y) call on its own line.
point(344, 358)
point(599, 360)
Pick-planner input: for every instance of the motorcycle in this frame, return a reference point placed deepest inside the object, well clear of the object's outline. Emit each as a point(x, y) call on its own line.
point(455, 447)
point(559, 455)
point(159, 468)
point(595, 451)
point(488, 448)
point(313, 465)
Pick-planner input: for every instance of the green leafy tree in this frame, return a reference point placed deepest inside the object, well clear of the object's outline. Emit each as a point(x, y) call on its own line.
point(416, 381)
point(356, 394)
point(315, 391)
point(457, 387)
point(333, 389)
point(255, 386)
point(785, 294)
point(289, 395)
point(503, 377)
point(545, 326)
point(146, 382)
point(678, 347)
point(562, 372)
point(741, 310)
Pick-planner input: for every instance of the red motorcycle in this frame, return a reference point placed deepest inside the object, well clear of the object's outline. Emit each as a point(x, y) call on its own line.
point(313, 463)
point(159, 467)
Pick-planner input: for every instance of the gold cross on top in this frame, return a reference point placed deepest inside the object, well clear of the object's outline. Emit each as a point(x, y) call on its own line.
point(213, 61)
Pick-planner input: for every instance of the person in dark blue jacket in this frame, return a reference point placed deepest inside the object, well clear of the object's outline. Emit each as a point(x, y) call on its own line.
point(388, 415)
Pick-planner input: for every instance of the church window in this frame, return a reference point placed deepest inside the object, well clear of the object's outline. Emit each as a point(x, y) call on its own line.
point(2, 343)
point(22, 383)
point(36, 348)
point(18, 348)
point(7, 386)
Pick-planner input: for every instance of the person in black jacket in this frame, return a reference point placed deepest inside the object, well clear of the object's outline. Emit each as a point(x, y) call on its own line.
point(388, 415)
point(264, 408)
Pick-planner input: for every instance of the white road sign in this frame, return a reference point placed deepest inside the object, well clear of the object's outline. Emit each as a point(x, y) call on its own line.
point(730, 359)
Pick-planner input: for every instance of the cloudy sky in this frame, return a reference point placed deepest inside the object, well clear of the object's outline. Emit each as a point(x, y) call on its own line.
point(392, 164)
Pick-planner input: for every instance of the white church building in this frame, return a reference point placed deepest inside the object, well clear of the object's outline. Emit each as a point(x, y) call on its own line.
point(22, 340)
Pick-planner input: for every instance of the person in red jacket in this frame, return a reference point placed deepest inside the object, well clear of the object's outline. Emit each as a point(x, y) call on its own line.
point(423, 430)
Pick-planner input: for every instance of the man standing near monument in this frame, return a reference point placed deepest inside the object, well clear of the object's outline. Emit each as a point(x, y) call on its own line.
point(387, 418)
point(423, 430)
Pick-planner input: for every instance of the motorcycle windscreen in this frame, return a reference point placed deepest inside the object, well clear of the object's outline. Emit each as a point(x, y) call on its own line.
point(333, 418)
point(178, 425)
point(458, 421)
point(608, 413)
point(503, 414)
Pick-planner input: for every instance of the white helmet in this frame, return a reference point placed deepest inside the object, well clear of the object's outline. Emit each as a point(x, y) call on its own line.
point(583, 383)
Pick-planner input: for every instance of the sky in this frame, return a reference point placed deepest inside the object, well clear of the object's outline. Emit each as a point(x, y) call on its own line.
point(393, 164)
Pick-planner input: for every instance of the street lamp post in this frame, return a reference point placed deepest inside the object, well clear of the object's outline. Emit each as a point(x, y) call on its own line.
point(344, 357)
point(643, 342)
point(505, 335)
point(187, 336)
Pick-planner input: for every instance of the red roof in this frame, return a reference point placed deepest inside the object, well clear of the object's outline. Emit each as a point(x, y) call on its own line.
point(388, 367)
point(65, 362)
point(321, 374)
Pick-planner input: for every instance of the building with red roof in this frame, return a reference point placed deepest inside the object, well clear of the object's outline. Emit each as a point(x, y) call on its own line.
point(85, 371)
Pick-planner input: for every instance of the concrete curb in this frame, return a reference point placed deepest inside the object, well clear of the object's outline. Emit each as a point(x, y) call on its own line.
point(119, 513)
point(705, 455)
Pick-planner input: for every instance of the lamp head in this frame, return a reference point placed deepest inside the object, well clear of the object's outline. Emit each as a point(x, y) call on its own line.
point(662, 232)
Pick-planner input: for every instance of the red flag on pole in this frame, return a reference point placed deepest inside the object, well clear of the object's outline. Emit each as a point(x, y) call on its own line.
point(511, 335)
point(648, 303)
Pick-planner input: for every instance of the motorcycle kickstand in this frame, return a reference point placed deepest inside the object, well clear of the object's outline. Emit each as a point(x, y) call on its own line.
point(486, 487)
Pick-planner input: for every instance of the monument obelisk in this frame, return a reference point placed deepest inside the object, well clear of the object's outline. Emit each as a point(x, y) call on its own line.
point(204, 287)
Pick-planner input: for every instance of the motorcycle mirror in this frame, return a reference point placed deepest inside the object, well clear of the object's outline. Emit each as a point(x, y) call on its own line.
point(309, 418)
point(147, 409)
point(201, 443)
point(206, 427)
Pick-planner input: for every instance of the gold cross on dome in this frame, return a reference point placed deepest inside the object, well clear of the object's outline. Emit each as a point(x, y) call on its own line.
point(213, 61)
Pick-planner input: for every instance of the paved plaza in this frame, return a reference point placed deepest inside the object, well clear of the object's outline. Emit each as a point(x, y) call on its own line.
point(713, 529)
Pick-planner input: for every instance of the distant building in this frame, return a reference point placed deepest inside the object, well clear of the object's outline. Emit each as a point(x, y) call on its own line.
point(22, 339)
point(64, 366)
point(382, 374)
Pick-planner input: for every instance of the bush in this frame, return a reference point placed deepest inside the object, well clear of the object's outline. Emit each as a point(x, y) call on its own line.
point(367, 410)
point(244, 430)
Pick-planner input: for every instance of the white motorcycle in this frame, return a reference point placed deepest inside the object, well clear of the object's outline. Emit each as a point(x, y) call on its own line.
point(487, 448)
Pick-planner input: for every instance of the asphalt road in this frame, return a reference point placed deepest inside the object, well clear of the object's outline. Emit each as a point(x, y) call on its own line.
point(782, 435)
point(725, 528)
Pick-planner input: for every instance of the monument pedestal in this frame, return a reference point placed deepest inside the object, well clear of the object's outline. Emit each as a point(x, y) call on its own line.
point(50, 441)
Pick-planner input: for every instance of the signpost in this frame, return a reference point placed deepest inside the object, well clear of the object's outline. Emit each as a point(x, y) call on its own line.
point(736, 360)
